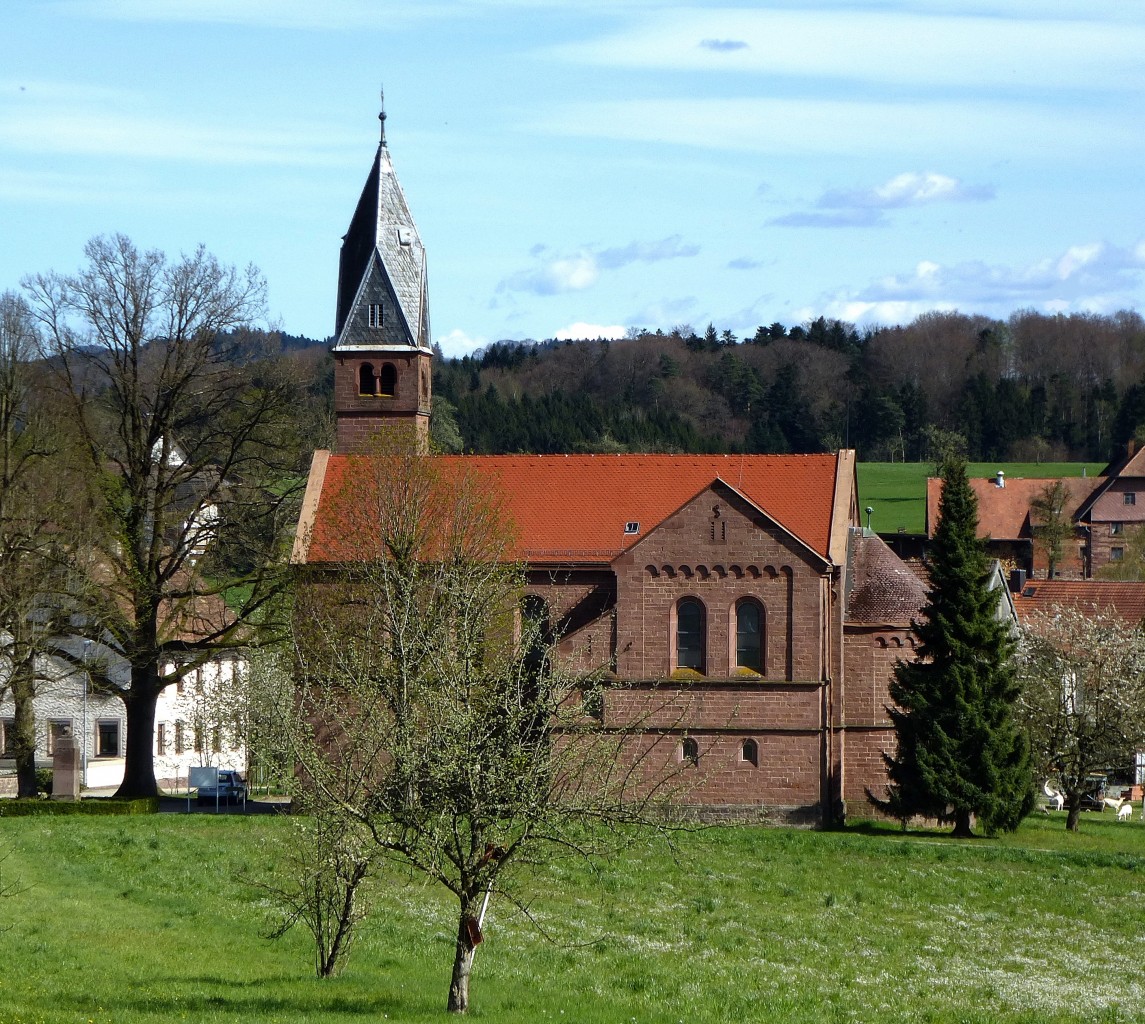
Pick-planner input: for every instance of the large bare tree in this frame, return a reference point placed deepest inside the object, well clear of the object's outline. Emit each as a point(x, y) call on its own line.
point(435, 722)
point(35, 520)
point(183, 434)
point(1082, 674)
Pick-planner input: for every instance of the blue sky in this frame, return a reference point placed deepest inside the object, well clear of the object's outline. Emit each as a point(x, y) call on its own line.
point(578, 167)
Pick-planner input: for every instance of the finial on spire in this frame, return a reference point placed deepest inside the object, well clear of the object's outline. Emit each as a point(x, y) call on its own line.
point(382, 114)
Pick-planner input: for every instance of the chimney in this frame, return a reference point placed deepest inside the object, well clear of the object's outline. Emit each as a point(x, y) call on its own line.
point(1000, 479)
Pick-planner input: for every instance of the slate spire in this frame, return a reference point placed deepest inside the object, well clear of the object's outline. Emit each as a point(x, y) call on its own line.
point(382, 292)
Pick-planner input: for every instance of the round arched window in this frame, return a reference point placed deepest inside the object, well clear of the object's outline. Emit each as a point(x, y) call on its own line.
point(388, 380)
point(690, 634)
point(367, 383)
point(749, 636)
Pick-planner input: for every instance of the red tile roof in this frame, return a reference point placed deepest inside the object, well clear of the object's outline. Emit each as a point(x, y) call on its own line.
point(573, 508)
point(1004, 512)
point(1126, 600)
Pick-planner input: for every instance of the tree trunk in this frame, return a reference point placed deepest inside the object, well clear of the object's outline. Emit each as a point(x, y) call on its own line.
point(962, 821)
point(1073, 805)
point(139, 764)
point(23, 743)
point(467, 930)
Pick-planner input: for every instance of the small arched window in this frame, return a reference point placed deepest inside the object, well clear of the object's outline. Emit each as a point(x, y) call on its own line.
point(388, 381)
point(367, 382)
point(749, 636)
point(749, 752)
point(689, 751)
point(690, 629)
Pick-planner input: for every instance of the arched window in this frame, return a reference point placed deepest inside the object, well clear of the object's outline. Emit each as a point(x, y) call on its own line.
point(689, 751)
point(749, 752)
point(749, 635)
point(690, 634)
point(367, 383)
point(388, 381)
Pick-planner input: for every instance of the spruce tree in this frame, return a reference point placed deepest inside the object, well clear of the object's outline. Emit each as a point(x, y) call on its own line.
point(959, 747)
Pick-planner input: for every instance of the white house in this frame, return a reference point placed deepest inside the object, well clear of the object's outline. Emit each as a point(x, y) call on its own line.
point(195, 721)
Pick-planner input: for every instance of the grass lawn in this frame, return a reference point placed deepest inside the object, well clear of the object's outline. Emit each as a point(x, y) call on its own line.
point(151, 919)
point(897, 490)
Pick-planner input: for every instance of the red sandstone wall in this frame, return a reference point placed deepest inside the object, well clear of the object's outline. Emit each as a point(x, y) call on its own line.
point(581, 606)
point(724, 706)
point(870, 655)
point(784, 779)
point(360, 417)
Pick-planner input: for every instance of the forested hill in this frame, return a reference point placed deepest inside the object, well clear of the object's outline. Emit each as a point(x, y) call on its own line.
point(1029, 388)
point(1032, 387)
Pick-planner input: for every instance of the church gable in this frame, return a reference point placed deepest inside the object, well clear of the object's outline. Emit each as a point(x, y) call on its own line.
point(720, 526)
point(720, 590)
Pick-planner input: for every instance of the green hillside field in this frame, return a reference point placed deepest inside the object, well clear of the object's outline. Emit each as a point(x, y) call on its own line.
point(150, 920)
point(897, 490)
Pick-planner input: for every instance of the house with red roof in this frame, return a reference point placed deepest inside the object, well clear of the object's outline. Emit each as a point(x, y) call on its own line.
point(743, 585)
point(1105, 512)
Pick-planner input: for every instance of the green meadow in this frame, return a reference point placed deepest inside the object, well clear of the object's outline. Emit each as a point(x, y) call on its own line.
point(127, 920)
point(897, 490)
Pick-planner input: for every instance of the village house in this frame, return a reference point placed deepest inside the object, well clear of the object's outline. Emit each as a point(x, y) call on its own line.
point(1105, 514)
point(193, 719)
point(742, 586)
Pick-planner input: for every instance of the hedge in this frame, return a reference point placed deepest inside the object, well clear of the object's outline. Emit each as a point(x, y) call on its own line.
point(96, 805)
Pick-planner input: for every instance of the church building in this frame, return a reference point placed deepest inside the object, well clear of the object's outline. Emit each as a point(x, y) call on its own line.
point(738, 595)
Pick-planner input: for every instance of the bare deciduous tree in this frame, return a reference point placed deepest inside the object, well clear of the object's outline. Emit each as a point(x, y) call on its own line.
point(1082, 674)
point(1052, 523)
point(34, 522)
point(329, 861)
point(433, 718)
point(182, 435)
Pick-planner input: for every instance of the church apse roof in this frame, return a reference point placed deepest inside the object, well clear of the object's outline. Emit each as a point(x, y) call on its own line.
point(881, 588)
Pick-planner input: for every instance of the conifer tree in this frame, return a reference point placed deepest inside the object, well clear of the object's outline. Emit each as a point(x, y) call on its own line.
point(960, 750)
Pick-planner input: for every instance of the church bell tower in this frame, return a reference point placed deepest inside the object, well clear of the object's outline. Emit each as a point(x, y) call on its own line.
point(382, 356)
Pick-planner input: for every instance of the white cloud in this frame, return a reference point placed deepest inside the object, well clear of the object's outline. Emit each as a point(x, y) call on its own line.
point(723, 45)
point(864, 207)
point(670, 248)
point(835, 219)
point(557, 274)
point(1091, 277)
point(581, 330)
point(457, 343)
point(908, 189)
point(563, 274)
